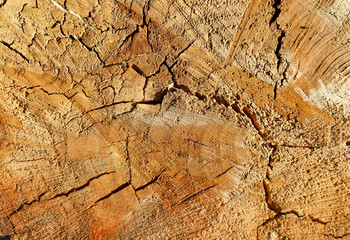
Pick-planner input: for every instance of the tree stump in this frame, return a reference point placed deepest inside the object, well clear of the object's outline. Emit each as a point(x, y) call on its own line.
point(174, 119)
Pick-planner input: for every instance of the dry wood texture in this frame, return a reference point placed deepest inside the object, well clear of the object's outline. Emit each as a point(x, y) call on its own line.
point(174, 119)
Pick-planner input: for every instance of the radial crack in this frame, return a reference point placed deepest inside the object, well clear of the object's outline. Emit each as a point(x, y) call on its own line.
point(38, 199)
point(8, 45)
point(195, 194)
point(116, 190)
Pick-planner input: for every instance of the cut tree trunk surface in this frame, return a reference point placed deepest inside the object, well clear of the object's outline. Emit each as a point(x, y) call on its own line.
point(174, 119)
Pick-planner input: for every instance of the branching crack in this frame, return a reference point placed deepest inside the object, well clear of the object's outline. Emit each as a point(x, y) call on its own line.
point(130, 36)
point(56, 93)
point(273, 206)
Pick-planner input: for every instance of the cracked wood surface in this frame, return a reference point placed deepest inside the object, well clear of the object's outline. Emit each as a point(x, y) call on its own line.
point(175, 119)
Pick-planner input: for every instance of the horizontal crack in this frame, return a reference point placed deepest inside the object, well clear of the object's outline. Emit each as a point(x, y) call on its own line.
point(150, 102)
point(38, 199)
point(80, 187)
point(341, 236)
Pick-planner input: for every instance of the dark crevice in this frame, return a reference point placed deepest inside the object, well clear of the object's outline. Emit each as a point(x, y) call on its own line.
point(200, 96)
point(90, 49)
point(153, 180)
point(116, 190)
point(271, 160)
point(278, 47)
point(272, 155)
point(273, 206)
point(129, 37)
point(145, 23)
point(3, 3)
point(195, 194)
point(224, 172)
point(55, 24)
point(221, 100)
point(55, 93)
point(275, 92)
point(81, 186)
point(181, 52)
point(130, 6)
point(135, 192)
point(150, 102)
point(268, 198)
point(341, 236)
point(27, 204)
point(276, 5)
point(256, 125)
point(284, 75)
point(277, 215)
point(8, 45)
point(128, 159)
point(113, 64)
point(277, 12)
point(38, 199)
point(236, 108)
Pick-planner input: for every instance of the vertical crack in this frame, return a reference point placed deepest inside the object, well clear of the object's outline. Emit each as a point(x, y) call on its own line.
point(128, 157)
point(279, 46)
point(276, 5)
point(277, 12)
point(145, 23)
